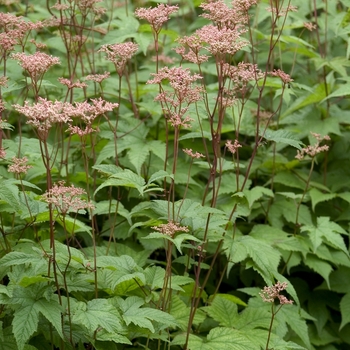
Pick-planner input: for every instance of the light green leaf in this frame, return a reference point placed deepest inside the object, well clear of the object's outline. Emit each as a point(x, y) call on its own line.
point(24, 324)
point(318, 197)
point(326, 231)
point(161, 174)
point(97, 313)
point(345, 310)
point(321, 267)
point(223, 311)
point(283, 136)
point(291, 315)
point(125, 178)
point(132, 312)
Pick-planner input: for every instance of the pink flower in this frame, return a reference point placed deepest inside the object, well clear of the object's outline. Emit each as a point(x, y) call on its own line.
point(269, 294)
point(119, 54)
point(286, 79)
point(313, 150)
point(232, 147)
point(71, 85)
point(98, 78)
point(156, 16)
point(224, 16)
point(170, 228)
point(196, 155)
point(36, 64)
point(19, 165)
point(66, 199)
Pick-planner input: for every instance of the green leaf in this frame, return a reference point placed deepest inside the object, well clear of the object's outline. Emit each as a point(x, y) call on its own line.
point(291, 315)
point(345, 310)
point(265, 259)
point(223, 311)
point(125, 178)
point(219, 338)
point(142, 317)
point(326, 231)
point(160, 174)
point(256, 193)
point(318, 197)
point(29, 302)
point(97, 313)
point(283, 136)
point(321, 267)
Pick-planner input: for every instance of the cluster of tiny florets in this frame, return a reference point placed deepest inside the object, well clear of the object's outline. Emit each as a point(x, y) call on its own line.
point(98, 78)
point(70, 85)
point(36, 64)
point(156, 16)
point(232, 147)
point(313, 150)
point(170, 228)
point(19, 165)
point(286, 79)
point(66, 198)
point(269, 294)
point(119, 54)
point(195, 155)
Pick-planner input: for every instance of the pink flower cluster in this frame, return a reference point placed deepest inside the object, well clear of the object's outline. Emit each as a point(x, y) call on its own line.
point(156, 16)
point(182, 94)
point(229, 17)
point(66, 198)
point(170, 228)
point(269, 294)
point(14, 31)
point(286, 79)
point(119, 54)
point(43, 114)
point(36, 64)
point(232, 147)
point(196, 155)
point(19, 165)
point(313, 150)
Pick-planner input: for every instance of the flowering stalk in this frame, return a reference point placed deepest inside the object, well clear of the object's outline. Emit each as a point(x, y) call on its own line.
point(269, 295)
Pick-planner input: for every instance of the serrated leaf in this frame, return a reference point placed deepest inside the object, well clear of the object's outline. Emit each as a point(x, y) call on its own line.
point(265, 257)
point(326, 231)
point(24, 324)
point(256, 193)
point(321, 267)
point(318, 197)
point(132, 312)
point(161, 174)
point(283, 136)
point(345, 310)
point(137, 155)
point(125, 178)
point(223, 311)
point(97, 313)
point(291, 316)
point(219, 338)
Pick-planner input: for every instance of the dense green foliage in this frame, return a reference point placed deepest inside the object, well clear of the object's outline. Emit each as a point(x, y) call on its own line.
point(195, 196)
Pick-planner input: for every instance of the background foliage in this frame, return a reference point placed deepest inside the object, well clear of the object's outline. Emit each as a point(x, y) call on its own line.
point(149, 207)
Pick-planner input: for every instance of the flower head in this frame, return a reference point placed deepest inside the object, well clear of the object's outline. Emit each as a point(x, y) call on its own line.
point(156, 16)
point(36, 64)
point(232, 147)
point(98, 78)
point(286, 79)
point(170, 228)
point(313, 150)
point(119, 54)
point(66, 198)
point(19, 165)
point(269, 294)
point(196, 155)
